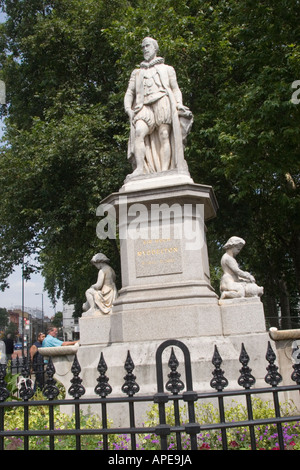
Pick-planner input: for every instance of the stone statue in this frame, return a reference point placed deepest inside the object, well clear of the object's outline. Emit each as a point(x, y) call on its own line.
point(158, 120)
point(101, 296)
point(236, 283)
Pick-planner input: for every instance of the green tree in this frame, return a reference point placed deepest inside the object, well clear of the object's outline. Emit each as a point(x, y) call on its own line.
point(12, 328)
point(258, 133)
point(4, 318)
point(63, 135)
point(57, 320)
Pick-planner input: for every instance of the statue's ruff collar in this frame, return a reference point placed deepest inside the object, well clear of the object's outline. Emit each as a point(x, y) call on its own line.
point(147, 65)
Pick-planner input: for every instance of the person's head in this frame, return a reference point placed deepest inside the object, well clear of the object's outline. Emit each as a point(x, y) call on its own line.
point(41, 337)
point(150, 48)
point(52, 331)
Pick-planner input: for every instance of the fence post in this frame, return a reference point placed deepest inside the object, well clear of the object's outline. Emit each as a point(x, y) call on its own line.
point(273, 378)
point(103, 389)
point(76, 391)
point(192, 428)
point(219, 382)
point(51, 392)
point(175, 385)
point(130, 387)
point(246, 380)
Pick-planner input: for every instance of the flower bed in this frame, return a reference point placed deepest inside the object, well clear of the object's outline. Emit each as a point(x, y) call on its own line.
point(237, 438)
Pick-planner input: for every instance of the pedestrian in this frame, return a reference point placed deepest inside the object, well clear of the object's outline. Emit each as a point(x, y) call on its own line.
point(37, 361)
point(51, 339)
point(9, 347)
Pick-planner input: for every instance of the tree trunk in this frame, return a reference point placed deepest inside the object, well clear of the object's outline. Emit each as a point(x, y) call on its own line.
point(271, 311)
point(296, 257)
point(286, 322)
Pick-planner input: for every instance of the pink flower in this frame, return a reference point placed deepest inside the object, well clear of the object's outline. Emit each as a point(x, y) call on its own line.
point(205, 446)
point(233, 444)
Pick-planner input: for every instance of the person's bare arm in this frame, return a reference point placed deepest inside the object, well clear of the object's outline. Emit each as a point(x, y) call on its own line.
point(32, 351)
point(69, 343)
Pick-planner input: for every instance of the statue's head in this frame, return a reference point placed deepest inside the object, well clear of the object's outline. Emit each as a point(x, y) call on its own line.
point(99, 258)
point(234, 242)
point(150, 48)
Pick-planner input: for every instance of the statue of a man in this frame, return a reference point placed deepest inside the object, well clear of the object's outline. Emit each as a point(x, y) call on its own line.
point(236, 283)
point(101, 296)
point(159, 122)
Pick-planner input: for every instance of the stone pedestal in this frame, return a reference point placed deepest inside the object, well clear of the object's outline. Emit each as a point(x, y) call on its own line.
point(164, 259)
point(245, 315)
point(142, 334)
point(166, 292)
point(239, 318)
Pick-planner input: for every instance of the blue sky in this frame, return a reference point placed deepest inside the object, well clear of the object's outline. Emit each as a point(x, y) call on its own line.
point(13, 296)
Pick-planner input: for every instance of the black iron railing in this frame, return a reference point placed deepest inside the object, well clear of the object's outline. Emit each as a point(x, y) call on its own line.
point(169, 392)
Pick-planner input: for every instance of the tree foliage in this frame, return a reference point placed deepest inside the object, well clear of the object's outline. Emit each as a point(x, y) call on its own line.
point(4, 318)
point(66, 66)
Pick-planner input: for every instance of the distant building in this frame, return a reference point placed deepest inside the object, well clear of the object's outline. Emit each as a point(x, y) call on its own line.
point(70, 324)
point(33, 323)
point(14, 318)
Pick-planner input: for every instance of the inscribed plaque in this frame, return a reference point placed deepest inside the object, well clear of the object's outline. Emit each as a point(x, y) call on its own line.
point(158, 257)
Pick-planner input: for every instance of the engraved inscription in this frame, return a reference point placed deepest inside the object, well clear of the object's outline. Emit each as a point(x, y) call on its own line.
point(157, 257)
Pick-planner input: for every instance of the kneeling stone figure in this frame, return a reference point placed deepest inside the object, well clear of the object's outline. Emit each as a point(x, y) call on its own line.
point(101, 296)
point(236, 283)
